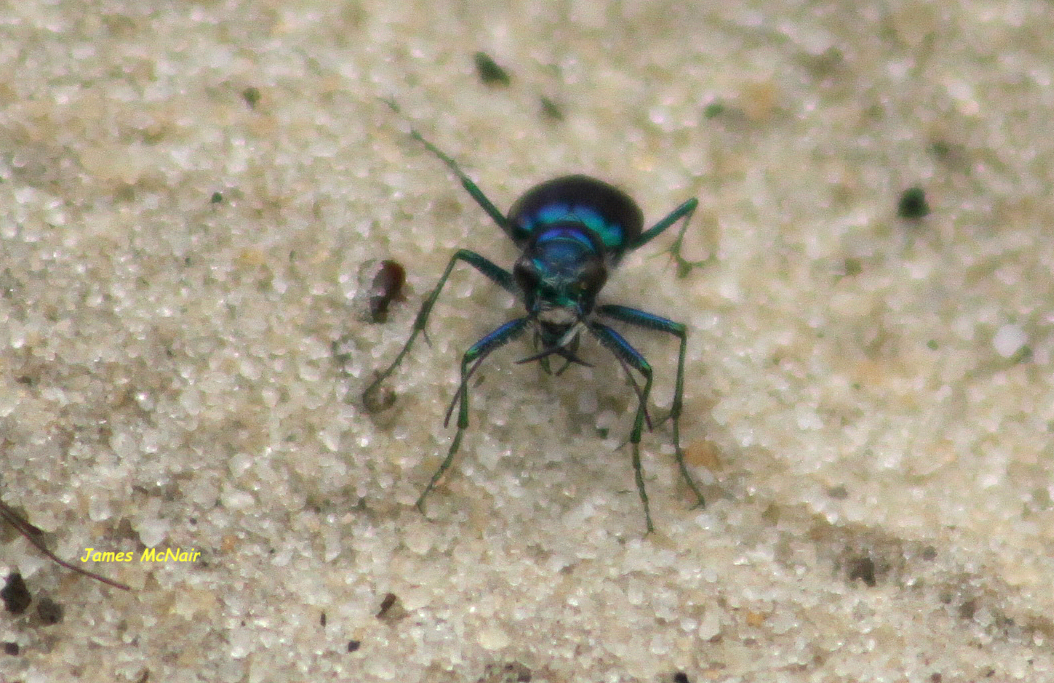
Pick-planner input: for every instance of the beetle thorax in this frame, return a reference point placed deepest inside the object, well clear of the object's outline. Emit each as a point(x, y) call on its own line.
point(560, 273)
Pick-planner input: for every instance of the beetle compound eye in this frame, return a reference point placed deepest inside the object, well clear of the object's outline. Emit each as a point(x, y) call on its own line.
point(526, 276)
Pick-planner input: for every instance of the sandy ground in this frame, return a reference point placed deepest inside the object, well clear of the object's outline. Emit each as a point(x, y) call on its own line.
point(192, 198)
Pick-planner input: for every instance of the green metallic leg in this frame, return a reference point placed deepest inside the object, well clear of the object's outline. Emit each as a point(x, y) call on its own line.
point(684, 211)
point(474, 356)
point(649, 321)
point(480, 263)
point(615, 343)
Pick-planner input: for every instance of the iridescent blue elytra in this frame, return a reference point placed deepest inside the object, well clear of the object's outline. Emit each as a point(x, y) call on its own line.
point(570, 231)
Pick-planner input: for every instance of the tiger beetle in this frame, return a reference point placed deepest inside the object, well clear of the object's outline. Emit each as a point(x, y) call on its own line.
point(570, 232)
